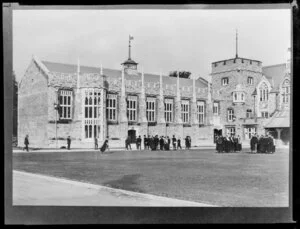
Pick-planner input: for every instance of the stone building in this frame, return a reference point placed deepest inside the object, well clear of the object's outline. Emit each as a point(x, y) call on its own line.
point(101, 102)
point(242, 98)
point(250, 99)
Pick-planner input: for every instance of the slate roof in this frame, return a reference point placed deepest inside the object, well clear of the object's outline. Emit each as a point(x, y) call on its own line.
point(280, 119)
point(113, 73)
point(275, 74)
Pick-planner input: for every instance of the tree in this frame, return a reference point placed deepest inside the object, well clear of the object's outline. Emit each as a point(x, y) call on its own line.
point(15, 105)
point(182, 74)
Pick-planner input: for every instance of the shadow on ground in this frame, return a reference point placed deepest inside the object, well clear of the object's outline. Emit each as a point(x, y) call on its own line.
point(127, 182)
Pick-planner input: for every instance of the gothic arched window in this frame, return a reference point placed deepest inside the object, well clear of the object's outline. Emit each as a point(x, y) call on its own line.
point(286, 91)
point(263, 92)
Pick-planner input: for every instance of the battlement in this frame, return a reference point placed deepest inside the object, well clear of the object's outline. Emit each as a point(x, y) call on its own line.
point(237, 64)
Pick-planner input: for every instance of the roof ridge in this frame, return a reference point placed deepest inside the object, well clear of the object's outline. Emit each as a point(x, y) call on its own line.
point(269, 66)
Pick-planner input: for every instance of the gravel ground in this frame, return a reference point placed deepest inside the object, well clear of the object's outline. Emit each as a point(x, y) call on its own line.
point(234, 179)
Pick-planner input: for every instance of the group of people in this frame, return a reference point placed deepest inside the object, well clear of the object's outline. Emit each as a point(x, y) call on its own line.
point(228, 144)
point(158, 143)
point(262, 144)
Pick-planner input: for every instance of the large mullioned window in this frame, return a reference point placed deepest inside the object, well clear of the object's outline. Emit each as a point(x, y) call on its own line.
point(92, 112)
point(185, 111)
point(286, 91)
point(132, 108)
point(111, 107)
point(65, 102)
point(200, 112)
point(263, 92)
point(169, 110)
point(150, 109)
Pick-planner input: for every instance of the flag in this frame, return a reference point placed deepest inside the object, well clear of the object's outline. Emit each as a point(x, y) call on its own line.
point(130, 37)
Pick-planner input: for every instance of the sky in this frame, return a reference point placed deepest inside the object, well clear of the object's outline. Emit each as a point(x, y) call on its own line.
point(164, 40)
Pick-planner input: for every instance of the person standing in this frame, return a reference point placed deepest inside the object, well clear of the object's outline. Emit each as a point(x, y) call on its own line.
point(96, 143)
point(145, 142)
point(239, 143)
point(138, 143)
point(169, 142)
point(69, 142)
point(127, 143)
point(26, 143)
point(220, 143)
point(253, 143)
point(179, 143)
point(174, 142)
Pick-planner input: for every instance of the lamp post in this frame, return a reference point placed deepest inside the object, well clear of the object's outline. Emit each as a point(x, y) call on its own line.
point(57, 108)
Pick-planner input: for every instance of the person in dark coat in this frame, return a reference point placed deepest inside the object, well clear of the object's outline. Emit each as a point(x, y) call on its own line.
point(239, 143)
point(145, 142)
point(96, 143)
point(69, 142)
point(220, 144)
point(235, 144)
point(138, 143)
point(26, 143)
point(178, 143)
point(174, 142)
point(104, 146)
point(227, 144)
point(127, 143)
point(169, 142)
point(253, 143)
point(161, 143)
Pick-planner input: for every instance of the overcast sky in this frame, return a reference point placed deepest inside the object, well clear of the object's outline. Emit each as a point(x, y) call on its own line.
point(164, 40)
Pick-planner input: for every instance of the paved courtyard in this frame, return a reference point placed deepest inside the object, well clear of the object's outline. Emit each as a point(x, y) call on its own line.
point(234, 179)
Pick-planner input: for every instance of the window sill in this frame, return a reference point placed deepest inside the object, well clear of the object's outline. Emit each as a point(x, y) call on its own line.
point(112, 123)
point(152, 123)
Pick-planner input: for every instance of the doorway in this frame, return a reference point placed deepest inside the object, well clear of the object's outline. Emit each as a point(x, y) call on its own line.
point(132, 136)
point(217, 132)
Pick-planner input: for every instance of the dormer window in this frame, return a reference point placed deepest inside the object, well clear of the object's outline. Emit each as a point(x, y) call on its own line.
point(250, 80)
point(225, 81)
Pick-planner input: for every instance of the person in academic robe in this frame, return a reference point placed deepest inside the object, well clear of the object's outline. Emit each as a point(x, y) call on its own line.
point(169, 142)
point(227, 144)
point(179, 143)
point(253, 143)
point(231, 144)
point(220, 143)
point(69, 142)
point(161, 143)
point(235, 143)
point(239, 143)
point(174, 142)
point(145, 142)
point(127, 143)
point(138, 143)
point(26, 143)
point(104, 146)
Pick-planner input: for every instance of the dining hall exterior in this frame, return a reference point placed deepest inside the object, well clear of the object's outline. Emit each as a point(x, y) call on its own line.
point(242, 98)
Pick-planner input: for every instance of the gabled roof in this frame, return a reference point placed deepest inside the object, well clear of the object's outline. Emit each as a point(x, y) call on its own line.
point(115, 74)
point(280, 119)
point(275, 74)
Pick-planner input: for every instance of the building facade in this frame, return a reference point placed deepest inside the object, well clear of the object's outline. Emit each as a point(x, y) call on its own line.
point(241, 99)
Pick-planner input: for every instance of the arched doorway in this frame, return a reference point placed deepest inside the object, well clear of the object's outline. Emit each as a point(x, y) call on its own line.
point(217, 132)
point(132, 136)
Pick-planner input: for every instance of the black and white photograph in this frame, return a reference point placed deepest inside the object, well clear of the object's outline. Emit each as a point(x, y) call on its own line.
point(151, 107)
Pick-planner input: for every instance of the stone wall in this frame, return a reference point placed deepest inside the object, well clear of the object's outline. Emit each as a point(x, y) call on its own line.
point(32, 107)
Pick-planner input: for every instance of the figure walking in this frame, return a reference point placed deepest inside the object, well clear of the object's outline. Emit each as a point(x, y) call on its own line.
point(96, 143)
point(26, 143)
point(69, 142)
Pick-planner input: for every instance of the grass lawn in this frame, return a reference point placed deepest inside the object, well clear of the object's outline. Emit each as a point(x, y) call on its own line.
point(234, 179)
